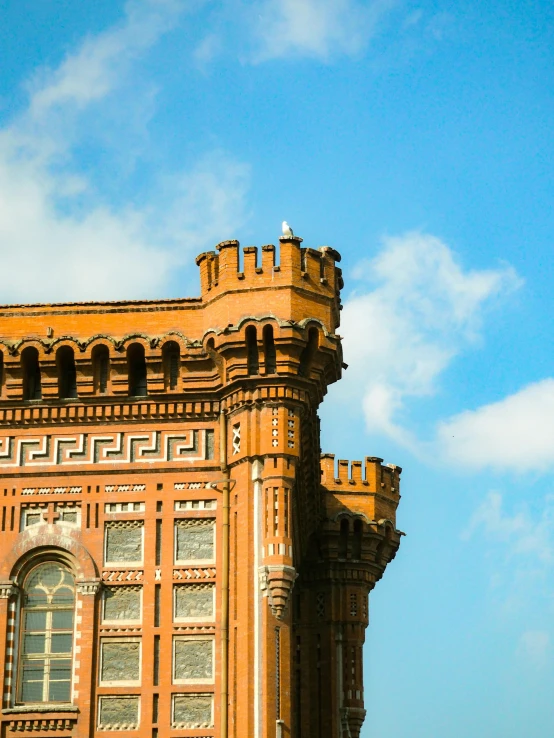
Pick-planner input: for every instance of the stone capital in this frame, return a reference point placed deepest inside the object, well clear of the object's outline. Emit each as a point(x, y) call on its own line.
point(7, 589)
point(88, 586)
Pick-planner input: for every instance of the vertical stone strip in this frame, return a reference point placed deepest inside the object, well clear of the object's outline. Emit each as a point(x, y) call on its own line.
point(84, 663)
point(8, 616)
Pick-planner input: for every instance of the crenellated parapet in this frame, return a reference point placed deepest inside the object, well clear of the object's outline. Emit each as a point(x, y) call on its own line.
point(290, 265)
point(370, 488)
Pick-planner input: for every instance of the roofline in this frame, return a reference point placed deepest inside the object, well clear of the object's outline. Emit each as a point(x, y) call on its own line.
point(100, 303)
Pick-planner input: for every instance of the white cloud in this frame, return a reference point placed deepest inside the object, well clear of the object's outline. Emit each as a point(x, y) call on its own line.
point(59, 239)
point(316, 28)
point(534, 647)
point(515, 434)
point(400, 335)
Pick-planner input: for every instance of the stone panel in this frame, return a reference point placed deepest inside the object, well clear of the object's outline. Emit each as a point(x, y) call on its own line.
point(120, 661)
point(122, 603)
point(118, 713)
point(194, 602)
point(193, 660)
point(193, 711)
point(124, 541)
point(194, 539)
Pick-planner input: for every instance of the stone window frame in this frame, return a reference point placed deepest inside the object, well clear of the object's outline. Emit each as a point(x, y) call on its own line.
point(123, 564)
point(211, 619)
point(62, 507)
point(41, 510)
point(102, 697)
point(176, 726)
point(187, 682)
point(50, 658)
point(44, 508)
point(105, 621)
point(194, 562)
point(125, 682)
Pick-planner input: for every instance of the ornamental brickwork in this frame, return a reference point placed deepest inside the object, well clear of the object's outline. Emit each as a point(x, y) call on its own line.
point(177, 558)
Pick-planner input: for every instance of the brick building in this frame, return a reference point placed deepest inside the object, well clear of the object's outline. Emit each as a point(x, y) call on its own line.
point(177, 558)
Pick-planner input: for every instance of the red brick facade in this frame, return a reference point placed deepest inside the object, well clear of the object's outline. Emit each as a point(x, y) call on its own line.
point(176, 558)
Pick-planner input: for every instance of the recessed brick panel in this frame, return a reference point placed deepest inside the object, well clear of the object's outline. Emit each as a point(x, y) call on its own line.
point(124, 542)
point(193, 660)
point(194, 539)
point(122, 603)
point(194, 602)
point(193, 711)
point(120, 661)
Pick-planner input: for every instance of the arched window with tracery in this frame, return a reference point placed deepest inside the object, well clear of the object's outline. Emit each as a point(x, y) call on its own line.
point(46, 635)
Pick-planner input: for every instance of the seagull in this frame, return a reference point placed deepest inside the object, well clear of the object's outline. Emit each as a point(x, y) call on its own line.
point(287, 230)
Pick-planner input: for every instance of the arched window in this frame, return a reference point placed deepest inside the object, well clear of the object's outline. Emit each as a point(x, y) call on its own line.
point(46, 635)
point(67, 374)
point(101, 368)
point(343, 538)
point(308, 353)
point(136, 366)
point(32, 389)
point(252, 357)
point(171, 356)
point(357, 541)
point(270, 356)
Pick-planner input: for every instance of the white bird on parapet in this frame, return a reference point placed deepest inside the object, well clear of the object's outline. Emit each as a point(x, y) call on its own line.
point(287, 230)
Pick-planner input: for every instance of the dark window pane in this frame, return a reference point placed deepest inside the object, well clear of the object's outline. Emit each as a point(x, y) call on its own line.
point(33, 670)
point(60, 670)
point(34, 644)
point(31, 692)
point(35, 620)
point(61, 642)
point(62, 620)
point(36, 600)
point(58, 691)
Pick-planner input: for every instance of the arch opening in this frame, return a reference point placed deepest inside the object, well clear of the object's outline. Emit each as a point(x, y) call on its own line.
point(270, 354)
point(32, 381)
point(136, 366)
point(308, 353)
point(171, 358)
point(101, 369)
point(67, 373)
point(252, 354)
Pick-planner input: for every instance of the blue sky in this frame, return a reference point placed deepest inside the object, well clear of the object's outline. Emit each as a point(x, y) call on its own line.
point(414, 137)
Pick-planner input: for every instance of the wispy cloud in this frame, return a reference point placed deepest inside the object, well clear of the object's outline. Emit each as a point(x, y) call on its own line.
point(534, 647)
point(515, 540)
point(415, 309)
point(59, 238)
point(319, 29)
point(515, 434)
point(524, 534)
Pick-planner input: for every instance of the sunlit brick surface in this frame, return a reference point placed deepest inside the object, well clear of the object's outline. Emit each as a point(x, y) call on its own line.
point(123, 427)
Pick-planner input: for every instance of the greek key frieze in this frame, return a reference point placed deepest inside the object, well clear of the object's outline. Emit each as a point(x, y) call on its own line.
point(148, 447)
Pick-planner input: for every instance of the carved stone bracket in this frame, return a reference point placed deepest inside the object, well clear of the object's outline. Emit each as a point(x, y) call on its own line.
point(277, 582)
point(88, 586)
point(7, 589)
point(352, 719)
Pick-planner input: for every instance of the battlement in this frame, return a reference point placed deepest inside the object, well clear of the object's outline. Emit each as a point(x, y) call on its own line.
point(370, 487)
point(357, 476)
point(290, 265)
